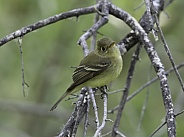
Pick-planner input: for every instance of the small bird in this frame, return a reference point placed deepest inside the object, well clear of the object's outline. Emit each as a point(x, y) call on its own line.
point(97, 69)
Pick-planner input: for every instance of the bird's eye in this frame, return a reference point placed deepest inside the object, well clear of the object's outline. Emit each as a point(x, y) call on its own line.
point(103, 49)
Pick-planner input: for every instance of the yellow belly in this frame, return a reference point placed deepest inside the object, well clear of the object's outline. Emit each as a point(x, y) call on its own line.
point(108, 76)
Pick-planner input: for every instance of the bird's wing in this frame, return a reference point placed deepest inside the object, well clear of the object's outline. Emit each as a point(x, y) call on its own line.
point(84, 73)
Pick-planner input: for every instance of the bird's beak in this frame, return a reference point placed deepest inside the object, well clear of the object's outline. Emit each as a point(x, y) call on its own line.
point(112, 44)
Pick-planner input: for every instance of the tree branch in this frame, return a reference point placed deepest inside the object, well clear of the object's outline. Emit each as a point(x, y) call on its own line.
point(142, 87)
point(94, 28)
point(168, 52)
point(139, 34)
point(158, 66)
point(86, 123)
point(53, 19)
point(161, 125)
point(78, 113)
point(146, 21)
point(126, 91)
point(99, 129)
point(94, 108)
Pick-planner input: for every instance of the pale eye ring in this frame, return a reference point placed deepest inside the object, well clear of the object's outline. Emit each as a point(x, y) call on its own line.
point(103, 49)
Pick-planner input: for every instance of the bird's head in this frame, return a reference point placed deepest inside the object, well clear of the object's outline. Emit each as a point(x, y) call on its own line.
point(106, 47)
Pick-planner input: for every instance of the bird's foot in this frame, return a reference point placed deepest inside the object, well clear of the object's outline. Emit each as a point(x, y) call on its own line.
point(103, 89)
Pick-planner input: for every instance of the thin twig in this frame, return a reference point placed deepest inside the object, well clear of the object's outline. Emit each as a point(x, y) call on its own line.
point(126, 91)
point(98, 131)
point(152, 81)
point(143, 109)
point(94, 28)
point(22, 65)
point(93, 41)
point(139, 6)
point(179, 113)
point(169, 53)
point(143, 86)
point(168, 3)
point(94, 107)
point(145, 103)
point(120, 134)
point(106, 134)
point(161, 125)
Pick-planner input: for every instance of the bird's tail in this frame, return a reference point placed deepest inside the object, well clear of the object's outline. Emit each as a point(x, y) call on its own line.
point(59, 100)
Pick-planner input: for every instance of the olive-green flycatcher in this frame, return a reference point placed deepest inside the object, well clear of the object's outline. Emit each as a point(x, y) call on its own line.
point(97, 69)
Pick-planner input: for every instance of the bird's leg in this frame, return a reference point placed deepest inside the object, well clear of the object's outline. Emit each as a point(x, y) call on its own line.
point(106, 87)
point(103, 90)
point(95, 89)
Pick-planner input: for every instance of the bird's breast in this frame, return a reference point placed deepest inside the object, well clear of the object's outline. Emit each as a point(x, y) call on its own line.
point(109, 75)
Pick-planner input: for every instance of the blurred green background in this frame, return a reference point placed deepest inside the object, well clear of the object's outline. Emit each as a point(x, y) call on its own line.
point(50, 52)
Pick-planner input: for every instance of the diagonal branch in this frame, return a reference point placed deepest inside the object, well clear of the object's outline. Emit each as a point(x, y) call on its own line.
point(147, 23)
point(53, 19)
point(158, 66)
point(99, 129)
point(104, 19)
point(126, 91)
point(169, 53)
point(86, 122)
point(142, 87)
point(78, 113)
point(152, 81)
point(139, 34)
point(94, 108)
point(162, 124)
